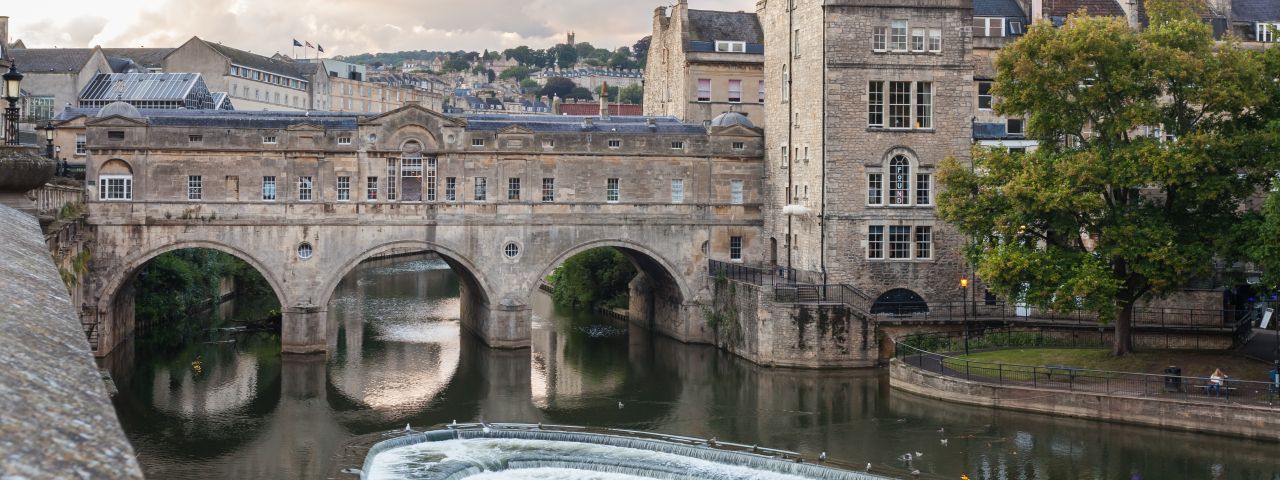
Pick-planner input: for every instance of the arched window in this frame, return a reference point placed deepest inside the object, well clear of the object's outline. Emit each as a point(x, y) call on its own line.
point(115, 181)
point(899, 301)
point(899, 180)
point(411, 171)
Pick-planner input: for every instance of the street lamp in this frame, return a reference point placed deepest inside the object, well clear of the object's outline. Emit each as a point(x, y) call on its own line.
point(964, 285)
point(12, 86)
point(48, 137)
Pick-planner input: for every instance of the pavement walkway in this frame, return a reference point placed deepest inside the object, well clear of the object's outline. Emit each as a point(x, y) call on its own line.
point(1262, 345)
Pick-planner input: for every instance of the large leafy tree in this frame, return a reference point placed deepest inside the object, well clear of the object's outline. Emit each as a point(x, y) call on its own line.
point(1109, 211)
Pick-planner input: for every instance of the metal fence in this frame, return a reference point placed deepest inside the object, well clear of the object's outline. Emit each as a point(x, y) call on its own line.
point(775, 275)
point(939, 353)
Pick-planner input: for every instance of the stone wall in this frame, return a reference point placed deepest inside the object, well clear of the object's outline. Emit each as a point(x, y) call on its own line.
point(58, 418)
point(1226, 418)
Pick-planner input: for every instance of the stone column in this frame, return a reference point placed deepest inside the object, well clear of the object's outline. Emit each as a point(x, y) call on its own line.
point(304, 329)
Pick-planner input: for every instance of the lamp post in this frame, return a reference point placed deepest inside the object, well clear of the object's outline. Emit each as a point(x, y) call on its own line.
point(12, 86)
point(964, 285)
point(48, 138)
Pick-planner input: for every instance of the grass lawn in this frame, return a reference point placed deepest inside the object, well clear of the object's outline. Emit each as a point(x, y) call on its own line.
point(1193, 362)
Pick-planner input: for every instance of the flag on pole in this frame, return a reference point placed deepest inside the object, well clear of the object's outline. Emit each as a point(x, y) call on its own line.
point(320, 48)
point(296, 43)
point(309, 45)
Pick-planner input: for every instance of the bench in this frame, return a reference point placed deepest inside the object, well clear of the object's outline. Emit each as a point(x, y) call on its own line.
point(1226, 390)
point(1067, 369)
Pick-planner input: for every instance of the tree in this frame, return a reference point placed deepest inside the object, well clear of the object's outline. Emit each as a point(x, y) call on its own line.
point(581, 93)
point(632, 94)
point(641, 50)
point(622, 59)
point(517, 73)
point(523, 55)
point(593, 277)
point(559, 87)
point(528, 85)
point(455, 64)
point(565, 55)
point(1101, 215)
point(585, 50)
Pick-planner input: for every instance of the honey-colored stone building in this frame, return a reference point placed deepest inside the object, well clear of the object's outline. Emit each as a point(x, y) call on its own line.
point(703, 63)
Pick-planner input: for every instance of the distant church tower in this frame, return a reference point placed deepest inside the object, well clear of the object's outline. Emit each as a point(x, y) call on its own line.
point(570, 35)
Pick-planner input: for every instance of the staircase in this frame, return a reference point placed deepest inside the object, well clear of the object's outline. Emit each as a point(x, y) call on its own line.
point(808, 294)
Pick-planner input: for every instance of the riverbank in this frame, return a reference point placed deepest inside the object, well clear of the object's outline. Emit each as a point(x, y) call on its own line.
point(1194, 363)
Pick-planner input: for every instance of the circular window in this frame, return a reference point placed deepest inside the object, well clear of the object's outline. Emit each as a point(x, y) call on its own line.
point(373, 137)
point(305, 250)
point(511, 250)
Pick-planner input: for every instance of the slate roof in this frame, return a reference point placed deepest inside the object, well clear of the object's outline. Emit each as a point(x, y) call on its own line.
point(144, 57)
point(46, 60)
point(572, 124)
point(259, 62)
point(998, 8)
point(1255, 10)
point(1103, 8)
point(709, 26)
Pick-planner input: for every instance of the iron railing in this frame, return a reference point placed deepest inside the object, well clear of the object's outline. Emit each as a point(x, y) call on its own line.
point(775, 275)
point(940, 353)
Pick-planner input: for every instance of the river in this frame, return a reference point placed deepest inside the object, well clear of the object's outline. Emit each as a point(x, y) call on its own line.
point(229, 405)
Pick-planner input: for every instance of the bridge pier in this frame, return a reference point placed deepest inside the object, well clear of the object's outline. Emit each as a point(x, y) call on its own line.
point(304, 329)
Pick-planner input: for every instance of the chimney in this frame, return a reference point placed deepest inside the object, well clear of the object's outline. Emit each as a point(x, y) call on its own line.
point(604, 101)
point(4, 33)
point(1037, 10)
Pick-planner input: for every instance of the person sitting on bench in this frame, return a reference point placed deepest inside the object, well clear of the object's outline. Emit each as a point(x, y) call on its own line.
point(1215, 382)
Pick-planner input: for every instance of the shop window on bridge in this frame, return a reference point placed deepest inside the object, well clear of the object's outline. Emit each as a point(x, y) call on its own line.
point(899, 301)
point(115, 181)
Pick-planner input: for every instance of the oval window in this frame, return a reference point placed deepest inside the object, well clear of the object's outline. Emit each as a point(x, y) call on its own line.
point(305, 250)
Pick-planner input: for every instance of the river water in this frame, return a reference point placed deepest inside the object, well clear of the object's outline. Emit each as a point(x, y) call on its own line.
point(229, 405)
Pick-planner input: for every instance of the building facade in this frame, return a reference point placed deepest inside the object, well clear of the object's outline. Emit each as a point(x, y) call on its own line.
point(252, 81)
point(703, 63)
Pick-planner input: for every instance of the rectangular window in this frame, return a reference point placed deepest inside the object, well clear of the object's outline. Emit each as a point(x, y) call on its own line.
point(194, 187)
point(1014, 126)
point(924, 190)
point(898, 35)
point(735, 192)
point(875, 104)
point(924, 242)
point(115, 135)
point(988, 26)
point(431, 179)
point(371, 189)
point(1265, 32)
point(615, 143)
point(735, 91)
point(195, 138)
point(344, 189)
point(115, 187)
point(80, 144)
point(269, 188)
point(899, 242)
point(677, 145)
point(391, 179)
point(341, 140)
point(735, 248)
point(917, 39)
point(739, 145)
point(786, 156)
point(899, 104)
point(677, 190)
point(481, 189)
point(924, 104)
point(477, 142)
point(548, 144)
point(879, 38)
point(704, 89)
point(304, 189)
point(731, 47)
point(935, 40)
point(760, 95)
point(875, 189)
point(269, 139)
point(450, 189)
point(611, 190)
point(984, 95)
point(548, 190)
point(875, 241)
point(513, 188)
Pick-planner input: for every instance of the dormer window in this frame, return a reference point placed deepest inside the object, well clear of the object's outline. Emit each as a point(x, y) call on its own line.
point(1266, 32)
point(731, 47)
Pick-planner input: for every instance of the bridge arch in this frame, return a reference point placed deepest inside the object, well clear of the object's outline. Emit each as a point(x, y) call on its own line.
point(464, 267)
point(633, 251)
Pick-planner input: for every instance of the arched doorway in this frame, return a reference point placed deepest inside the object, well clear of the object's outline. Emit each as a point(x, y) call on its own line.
point(899, 301)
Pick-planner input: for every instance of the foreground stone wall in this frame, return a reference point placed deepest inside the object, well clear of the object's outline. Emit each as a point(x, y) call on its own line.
point(1222, 418)
point(755, 327)
point(58, 421)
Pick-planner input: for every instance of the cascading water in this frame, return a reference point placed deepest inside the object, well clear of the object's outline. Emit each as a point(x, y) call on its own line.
point(527, 452)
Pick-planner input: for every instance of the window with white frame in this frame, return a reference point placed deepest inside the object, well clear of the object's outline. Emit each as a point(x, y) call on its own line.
point(731, 47)
point(481, 189)
point(677, 145)
point(269, 139)
point(677, 190)
point(875, 241)
point(918, 39)
point(735, 248)
point(899, 104)
point(924, 105)
point(548, 190)
point(612, 188)
point(924, 189)
point(899, 180)
point(371, 188)
point(450, 189)
point(875, 189)
point(735, 91)
point(898, 35)
point(269, 188)
point(81, 144)
point(988, 26)
point(115, 187)
point(548, 143)
point(879, 38)
point(194, 187)
point(935, 40)
point(875, 104)
point(786, 156)
point(704, 89)
point(304, 189)
point(430, 179)
point(1266, 32)
point(735, 192)
point(344, 140)
point(477, 142)
point(795, 43)
point(984, 96)
point(615, 143)
point(786, 83)
point(513, 188)
point(901, 109)
point(344, 189)
point(1014, 126)
point(392, 175)
point(739, 145)
point(899, 242)
point(924, 243)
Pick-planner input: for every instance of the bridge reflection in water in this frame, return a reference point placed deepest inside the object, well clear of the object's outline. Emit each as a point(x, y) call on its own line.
point(397, 357)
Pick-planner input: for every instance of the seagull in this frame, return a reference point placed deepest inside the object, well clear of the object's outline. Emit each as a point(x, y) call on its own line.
point(915, 473)
point(619, 405)
point(868, 469)
point(944, 442)
point(712, 441)
point(822, 457)
point(902, 420)
point(485, 429)
point(918, 454)
point(539, 425)
point(454, 424)
point(406, 427)
point(941, 430)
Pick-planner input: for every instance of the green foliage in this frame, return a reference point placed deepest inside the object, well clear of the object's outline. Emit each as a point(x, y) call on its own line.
point(529, 85)
point(72, 211)
point(558, 87)
point(177, 283)
point(455, 64)
point(641, 50)
point(564, 55)
point(633, 94)
point(599, 276)
point(1101, 215)
point(517, 73)
point(581, 93)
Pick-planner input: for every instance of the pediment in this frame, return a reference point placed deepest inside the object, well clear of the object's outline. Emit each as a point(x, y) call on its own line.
point(515, 130)
point(117, 120)
point(737, 130)
point(414, 113)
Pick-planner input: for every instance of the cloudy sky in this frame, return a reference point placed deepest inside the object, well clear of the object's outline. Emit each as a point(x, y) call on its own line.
point(343, 27)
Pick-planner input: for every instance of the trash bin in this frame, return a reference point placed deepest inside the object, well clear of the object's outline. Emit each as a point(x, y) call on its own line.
point(1172, 379)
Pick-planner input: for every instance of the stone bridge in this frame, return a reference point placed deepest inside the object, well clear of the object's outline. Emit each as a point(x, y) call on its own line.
point(503, 199)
